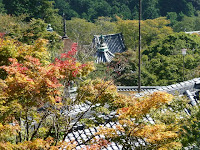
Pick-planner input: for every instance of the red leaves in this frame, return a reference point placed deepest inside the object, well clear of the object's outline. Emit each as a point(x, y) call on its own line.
point(71, 53)
point(37, 83)
point(68, 67)
point(33, 60)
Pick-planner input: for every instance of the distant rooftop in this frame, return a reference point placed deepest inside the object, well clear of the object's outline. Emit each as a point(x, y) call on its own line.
point(107, 46)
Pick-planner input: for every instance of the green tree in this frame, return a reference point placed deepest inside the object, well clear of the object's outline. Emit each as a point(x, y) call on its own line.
point(152, 30)
point(172, 16)
point(187, 24)
point(166, 61)
point(12, 25)
point(105, 26)
point(43, 9)
point(36, 29)
point(191, 129)
point(80, 30)
point(2, 9)
point(150, 9)
point(172, 45)
point(176, 6)
point(65, 7)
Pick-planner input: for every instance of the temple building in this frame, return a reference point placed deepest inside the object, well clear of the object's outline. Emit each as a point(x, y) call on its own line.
point(107, 45)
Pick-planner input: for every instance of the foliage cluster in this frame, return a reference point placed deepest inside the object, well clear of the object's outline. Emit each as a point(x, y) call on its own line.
point(33, 96)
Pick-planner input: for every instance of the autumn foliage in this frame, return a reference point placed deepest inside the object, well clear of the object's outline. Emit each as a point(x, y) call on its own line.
point(132, 123)
point(30, 85)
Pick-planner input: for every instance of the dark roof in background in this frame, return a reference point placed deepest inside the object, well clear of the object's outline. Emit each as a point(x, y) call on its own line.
point(80, 133)
point(115, 44)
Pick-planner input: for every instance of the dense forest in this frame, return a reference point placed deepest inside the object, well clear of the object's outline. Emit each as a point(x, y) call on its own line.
point(92, 9)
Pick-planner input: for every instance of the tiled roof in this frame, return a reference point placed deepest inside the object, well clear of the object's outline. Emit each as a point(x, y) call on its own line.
point(115, 44)
point(81, 134)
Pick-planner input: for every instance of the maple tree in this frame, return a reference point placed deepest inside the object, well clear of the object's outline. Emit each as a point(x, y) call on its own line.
point(156, 119)
point(10, 48)
point(31, 85)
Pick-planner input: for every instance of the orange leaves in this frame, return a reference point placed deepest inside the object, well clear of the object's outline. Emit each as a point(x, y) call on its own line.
point(37, 144)
point(155, 133)
point(97, 144)
point(132, 111)
point(143, 105)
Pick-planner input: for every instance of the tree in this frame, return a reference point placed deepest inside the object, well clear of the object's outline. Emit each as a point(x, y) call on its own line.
point(12, 25)
point(2, 9)
point(124, 70)
point(175, 6)
point(152, 31)
point(166, 61)
point(105, 26)
point(43, 9)
point(150, 9)
point(172, 44)
point(29, 32)
point(14, 49)
point(30, 87)
point(80, 30)
point(65, 7)
point(187, 24)
point(191, 129)
point(172, 16)
point(37, 29)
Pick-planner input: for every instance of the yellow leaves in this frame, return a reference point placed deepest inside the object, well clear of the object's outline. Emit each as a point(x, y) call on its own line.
point(8, 48)
point(108, 132)
point(143, 105)
point(172, 146)
point(119, 128)
point(97, 91)
point(88, 67)
point(8, 131)
point(66, 145)
point(131, 111)
point(126, 122)
point(11, 48)
point(155, 133)
point(40, 144)
point(162, 97)
point(152, 30)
